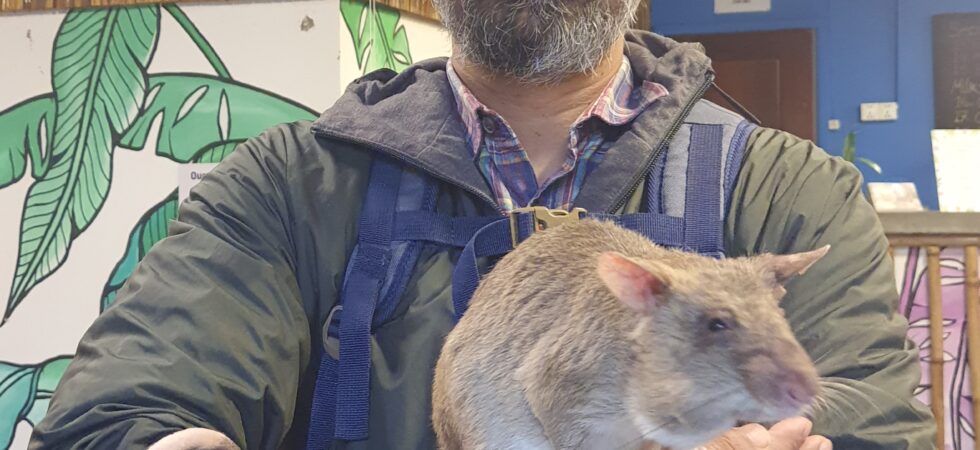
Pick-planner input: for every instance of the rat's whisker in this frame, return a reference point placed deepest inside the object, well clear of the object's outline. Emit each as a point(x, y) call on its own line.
point(824, 407)
point(808, 411)
point(823, 355)
point(846, 389)
point(839, 399)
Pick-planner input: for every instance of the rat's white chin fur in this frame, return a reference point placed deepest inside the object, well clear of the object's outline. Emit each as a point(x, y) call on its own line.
point(665, 437)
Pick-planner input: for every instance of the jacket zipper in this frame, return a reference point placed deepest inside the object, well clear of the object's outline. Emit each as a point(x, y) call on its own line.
point(410, 162)
point(709, 78)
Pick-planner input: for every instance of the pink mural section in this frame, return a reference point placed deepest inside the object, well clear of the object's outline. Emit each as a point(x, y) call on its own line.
point(914, 284)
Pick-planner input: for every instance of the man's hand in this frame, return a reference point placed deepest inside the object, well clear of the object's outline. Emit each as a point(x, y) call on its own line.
point(195, 439)
point(790, 434)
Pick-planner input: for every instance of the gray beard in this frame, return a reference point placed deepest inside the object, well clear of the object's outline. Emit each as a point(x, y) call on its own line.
point(536, 41)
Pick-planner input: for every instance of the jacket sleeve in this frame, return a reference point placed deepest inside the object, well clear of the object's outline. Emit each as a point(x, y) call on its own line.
point(209, 331)
point(791, 197)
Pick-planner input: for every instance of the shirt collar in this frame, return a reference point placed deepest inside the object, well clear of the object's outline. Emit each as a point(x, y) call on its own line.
point(468, 107)
point(619, 103)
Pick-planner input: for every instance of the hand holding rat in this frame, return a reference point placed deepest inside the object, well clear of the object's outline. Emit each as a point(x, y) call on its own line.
point(790, 434)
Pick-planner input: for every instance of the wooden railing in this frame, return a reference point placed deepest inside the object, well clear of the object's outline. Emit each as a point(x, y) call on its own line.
point(935, 231)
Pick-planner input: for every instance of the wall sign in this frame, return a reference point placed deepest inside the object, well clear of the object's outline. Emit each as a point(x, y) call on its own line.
point(956, 65)
point(742, 6)
point(188, 175)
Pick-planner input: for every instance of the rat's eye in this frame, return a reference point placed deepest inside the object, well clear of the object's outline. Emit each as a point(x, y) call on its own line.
point(715, 325)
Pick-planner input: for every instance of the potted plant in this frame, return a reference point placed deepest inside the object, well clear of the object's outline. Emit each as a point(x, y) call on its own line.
point(850, 154)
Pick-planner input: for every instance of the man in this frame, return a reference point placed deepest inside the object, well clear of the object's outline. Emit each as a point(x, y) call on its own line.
point(544, 103)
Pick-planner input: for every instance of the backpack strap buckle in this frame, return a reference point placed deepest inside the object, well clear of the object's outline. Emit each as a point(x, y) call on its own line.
point(543, 218)
point(331, 344)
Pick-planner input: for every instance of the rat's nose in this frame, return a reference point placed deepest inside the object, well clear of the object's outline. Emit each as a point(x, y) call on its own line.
point(798, 389)
point(785, 380)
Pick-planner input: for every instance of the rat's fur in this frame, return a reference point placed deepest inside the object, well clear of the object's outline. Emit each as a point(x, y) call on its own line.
point(547, 356)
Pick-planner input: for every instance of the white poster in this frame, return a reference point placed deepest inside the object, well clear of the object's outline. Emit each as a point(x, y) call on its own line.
point(956, 154)
point(742, 6)
point(894, 197)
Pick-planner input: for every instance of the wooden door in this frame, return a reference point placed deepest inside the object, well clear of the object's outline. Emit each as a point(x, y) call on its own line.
point(771, 73)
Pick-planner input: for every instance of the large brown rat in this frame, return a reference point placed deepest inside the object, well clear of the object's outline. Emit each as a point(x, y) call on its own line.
point(590, 336)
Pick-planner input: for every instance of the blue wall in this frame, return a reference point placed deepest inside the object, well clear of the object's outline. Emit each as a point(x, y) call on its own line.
point(867, 51)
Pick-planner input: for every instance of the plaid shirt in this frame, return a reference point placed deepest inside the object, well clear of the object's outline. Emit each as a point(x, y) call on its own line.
point(505, 164)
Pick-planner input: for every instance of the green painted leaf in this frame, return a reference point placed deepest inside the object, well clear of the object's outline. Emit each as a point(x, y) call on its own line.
point(151, 228)
point(871, 164)
point(99, 59)
point(25, 130)
point(17, 386)
point(216, 152)
point(49, 375)
point(380, 40)
point(25, 392)
point(196, 111)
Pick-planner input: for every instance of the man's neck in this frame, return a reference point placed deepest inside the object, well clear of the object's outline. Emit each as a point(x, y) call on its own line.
point(541, 115)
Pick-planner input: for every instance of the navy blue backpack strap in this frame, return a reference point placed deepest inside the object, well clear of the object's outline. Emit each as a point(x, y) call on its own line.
point(494, 239)
point(377, 272)
point(702, 204)
point(398, 215)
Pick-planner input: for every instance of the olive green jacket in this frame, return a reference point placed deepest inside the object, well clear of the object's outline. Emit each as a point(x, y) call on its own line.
point(218, 325)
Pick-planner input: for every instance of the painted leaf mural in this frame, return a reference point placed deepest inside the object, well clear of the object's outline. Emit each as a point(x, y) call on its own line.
point(98, 65)
point(49, 374)
point(16, 396)
point(196, 111)
point(25, 391)
point(104, 98)
point(380, 40)
point(216, 152)
point(150, 228)
point(26, 138)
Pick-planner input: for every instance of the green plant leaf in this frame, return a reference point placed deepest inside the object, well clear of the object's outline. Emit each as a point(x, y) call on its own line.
point(195, 111)
point(871, 164)
point(25, 131)
point(150, 229)
point(17, 387)
point(49, 375)
point(849, 148)
point(99, 60)
point(380, 40)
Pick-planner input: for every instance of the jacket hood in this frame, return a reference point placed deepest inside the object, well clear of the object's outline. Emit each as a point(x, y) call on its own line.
point(412, 116)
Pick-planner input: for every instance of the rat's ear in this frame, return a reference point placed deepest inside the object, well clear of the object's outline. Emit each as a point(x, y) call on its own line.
point(641, 287)
point(785, 267)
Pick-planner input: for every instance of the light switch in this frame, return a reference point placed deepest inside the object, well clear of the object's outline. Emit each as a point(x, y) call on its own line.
point(879, 112)
point(833, 124)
